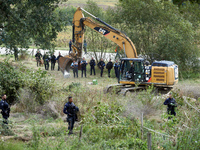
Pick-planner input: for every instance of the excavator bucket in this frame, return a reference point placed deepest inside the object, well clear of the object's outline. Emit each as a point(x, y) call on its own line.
point(64, 64)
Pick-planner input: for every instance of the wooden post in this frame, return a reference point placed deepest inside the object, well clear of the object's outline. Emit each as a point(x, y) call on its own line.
point(149, 140)
point(80, 134)
point(142, 125)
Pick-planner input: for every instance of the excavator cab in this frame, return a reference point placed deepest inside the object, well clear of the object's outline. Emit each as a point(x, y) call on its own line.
point(134, 70)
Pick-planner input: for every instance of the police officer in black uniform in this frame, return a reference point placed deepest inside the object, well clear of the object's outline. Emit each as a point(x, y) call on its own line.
point(53, 61)
point(92, 66)
point(83, 66)
point(101, 66)
point(71, 110)
point(109, 66)
point(116, 67)
point(5, 109)
point(171, 104)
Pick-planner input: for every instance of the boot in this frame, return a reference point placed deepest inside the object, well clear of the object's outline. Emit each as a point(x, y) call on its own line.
point(70, 132)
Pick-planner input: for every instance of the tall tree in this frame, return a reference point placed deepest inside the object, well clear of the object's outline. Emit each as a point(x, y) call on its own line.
point(25, 21)
point(160, 32)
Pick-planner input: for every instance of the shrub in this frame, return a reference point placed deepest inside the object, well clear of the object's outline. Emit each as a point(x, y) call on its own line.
point(10, 81)
point(14, 78)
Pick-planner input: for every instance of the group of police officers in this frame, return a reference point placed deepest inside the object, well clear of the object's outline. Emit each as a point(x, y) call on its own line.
point(92, 63)
point(46, 59)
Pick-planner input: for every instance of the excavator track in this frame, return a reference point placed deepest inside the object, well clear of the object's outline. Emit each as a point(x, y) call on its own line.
point(123, 89)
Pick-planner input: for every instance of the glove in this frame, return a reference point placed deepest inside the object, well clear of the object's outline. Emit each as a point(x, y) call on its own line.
point(171, 104)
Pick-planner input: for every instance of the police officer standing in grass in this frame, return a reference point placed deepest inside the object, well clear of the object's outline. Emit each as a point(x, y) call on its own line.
point(53, 61)
point(71, 110)
point(116, 67)
point(5, 109)
point(38, 57)
point(101, 66)
point(46, 61)
point(92, 66)
point(109, 66)
point(83, 66)
point(58, 60)
point(74, 66)
point(171, 104)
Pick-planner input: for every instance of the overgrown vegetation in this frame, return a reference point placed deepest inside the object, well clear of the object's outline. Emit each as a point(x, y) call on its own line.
point(108, 122)
point(13, 78)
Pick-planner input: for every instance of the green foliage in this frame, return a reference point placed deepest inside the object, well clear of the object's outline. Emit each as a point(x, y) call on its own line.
point(9, 81)
point(12, 145)
point(39, 83)
point(161, 32)
point(23, 22)
point(189, 139)
point(36, 138)
point(73, 86)
point(14, 78)
point(184, 2)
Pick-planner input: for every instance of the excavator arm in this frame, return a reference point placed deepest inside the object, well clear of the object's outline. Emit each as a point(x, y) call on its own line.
point(79, 23)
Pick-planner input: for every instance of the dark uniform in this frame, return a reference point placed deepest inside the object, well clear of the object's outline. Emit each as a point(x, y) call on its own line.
point(46, 61)
point(85, 46)
point(53, 61)
point(58, 60)
point(16, 51)
point(92, 66)
point(70, 46)
point(71, 109)
point(38, 57)
point(116, 67)
point(101, 65)
point(75, 68)
point(83, 67)
point(109, 66)
point(5, 110)
point(171, 104)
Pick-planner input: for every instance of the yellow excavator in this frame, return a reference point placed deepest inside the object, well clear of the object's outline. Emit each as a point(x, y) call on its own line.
point(134, 73)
